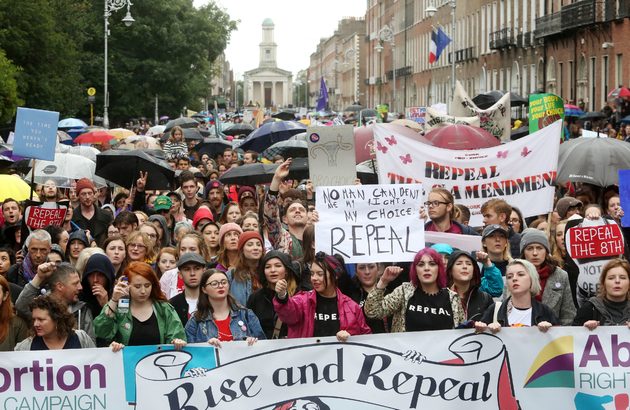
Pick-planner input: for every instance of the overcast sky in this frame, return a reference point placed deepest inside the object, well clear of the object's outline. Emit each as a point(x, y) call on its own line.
point(299, 25)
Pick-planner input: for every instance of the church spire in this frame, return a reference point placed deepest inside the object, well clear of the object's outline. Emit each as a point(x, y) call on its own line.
point(268, 46)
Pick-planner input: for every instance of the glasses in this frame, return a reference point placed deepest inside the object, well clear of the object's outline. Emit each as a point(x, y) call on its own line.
point(217, 283)
point(137, 245)
point(433, 204)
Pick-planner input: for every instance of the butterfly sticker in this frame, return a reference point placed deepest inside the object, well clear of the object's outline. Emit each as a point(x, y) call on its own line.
point(525, 152)
point(502, 154)
point(381, 147)
point(406, 159)
point(391, 140)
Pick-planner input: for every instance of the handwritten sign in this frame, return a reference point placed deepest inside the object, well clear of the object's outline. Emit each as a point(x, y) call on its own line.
point(595, 241)
point(416, 114)
point(35, 133)
point(331, 156)
point(370, 223)
point(544, 110)
point(49, 213)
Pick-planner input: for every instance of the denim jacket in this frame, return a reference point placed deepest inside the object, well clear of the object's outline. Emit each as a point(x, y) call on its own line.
point(243, 324)
point(240, 290)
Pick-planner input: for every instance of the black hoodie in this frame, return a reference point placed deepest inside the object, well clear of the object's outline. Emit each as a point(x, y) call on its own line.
point(97, 263)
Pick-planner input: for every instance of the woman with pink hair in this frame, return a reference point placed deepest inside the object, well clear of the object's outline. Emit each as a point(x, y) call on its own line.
point(423, 303)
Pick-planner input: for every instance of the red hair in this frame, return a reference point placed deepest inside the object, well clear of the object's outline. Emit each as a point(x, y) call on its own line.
point(437, 258)
point(6, 309)
point(144, 270)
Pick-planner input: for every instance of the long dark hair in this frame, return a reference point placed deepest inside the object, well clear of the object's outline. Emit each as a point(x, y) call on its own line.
point(204, 307)
point(331, 265)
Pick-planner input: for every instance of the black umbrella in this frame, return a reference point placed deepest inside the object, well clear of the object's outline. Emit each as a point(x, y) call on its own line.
point(5, 161)
point(123, 168)
point(270, 133)
point(354, 108)
point(517, 100)
point(212, 147)
point(258, 173)
point(593, 116)
point(238, 129)
point(183, 122)
point(366, 174)
point(192, 134)
point(487, 100)
point(290, 148)
point(284, 115)
point(593, 160)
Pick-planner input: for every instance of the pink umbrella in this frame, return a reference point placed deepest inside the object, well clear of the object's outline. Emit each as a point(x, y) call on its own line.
point(364, 139)
point(459, 137)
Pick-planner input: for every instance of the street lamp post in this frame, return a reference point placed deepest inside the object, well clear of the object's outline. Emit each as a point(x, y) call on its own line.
point(110, 7)
point(386, 34)
point(431, 10)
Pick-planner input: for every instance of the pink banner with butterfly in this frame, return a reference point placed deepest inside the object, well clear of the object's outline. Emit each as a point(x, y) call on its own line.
point(522, 172)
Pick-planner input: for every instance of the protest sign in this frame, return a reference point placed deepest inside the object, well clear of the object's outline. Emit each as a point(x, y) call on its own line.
point(496, 119)
point(39, 216)
point(436, 119)
point(452, 369)
point(522, 172)
point(370, 223)
point(593, 134)
point(624, 195)
point(416, 114)
point(35, 133)
point(544, 110)
point(331, 157)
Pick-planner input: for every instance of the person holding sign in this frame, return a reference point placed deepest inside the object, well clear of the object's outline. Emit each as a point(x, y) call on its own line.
point(423, 303)
point(611, 307)
point(323, 311)
point(520, 309)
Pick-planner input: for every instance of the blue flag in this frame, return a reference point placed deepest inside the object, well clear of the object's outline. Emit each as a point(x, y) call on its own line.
point(441, 42)
point(322, 101)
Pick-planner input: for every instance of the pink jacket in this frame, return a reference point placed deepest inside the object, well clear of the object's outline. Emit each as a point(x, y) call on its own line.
point(298, 312)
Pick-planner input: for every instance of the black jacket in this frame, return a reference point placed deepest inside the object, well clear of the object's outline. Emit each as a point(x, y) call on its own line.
point(596, 309)
point(540, 313)
point(477, 304)
point(261, 303)
point(97, 225)
point(180, 304)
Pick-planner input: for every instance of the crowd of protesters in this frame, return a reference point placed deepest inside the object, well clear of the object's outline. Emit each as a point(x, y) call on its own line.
point(212, 263)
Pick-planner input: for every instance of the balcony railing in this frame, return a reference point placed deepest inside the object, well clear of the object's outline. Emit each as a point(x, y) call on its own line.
point(465, 54)
point(616, 9)
point(502, 38)
point(578, 14)
point(524, 40)
point(548, 25)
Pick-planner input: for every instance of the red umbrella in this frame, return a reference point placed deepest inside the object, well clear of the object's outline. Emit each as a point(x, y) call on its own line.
point(620, 92)
point(458, 137)
point(364, 139)
point(94, 137)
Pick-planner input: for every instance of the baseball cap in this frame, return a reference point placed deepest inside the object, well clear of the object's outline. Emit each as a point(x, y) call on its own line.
point(490, 229)
point(191, 257)
point(162, 203)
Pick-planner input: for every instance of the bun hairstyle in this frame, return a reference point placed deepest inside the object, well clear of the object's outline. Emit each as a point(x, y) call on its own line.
point(331, 265)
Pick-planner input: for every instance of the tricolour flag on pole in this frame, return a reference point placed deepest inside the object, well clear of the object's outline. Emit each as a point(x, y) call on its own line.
point(433, 47)
point(441, 42)
point(322, 101)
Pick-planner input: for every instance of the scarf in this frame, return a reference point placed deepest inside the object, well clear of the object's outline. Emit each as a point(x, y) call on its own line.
point(28, 269)
point(543, 273)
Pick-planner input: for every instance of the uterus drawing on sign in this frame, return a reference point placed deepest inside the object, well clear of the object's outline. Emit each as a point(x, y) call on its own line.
point(331, 149)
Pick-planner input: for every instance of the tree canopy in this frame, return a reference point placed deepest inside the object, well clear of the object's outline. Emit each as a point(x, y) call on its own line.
point(57, 49)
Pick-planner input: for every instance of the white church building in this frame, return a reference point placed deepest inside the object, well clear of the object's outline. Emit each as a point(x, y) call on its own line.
point(268, 85)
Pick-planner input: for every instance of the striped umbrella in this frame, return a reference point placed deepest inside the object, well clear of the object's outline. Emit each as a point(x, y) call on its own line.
point(572, 111)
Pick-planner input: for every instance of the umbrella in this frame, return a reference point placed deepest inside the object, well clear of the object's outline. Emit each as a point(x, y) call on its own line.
point(354, 108)
point(593, 160)
point(366, 174)
point(14, 187)
point(259, 173)
point(63, 170)
point(408, 123)
point(121, 133)
point(71, 123)
point(82, 150)
point(192, 134)
point(518, 100)
point(212, 147)
point(183, 122)
point(123, 168)
point(269, 134)
point(140, 142)
point(626, 119)
point(487, 100)
point(460, 137)
point(63, 137)
point(572, 111)
point(620, 92)
point(156, 130)
point(284, 115)
point(94, 137)
point(5, 161)
point(290, 148)
point(519, 132)
point(364, 139)
point(238, 129)
point(593, 116)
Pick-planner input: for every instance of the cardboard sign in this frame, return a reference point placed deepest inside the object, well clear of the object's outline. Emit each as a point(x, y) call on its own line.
point(331, 158)
point(595, 241)
point(35, 133)
point(416, 114)
point(370, 223)
point(39, 217)
point(624, 195)
point(544, 110)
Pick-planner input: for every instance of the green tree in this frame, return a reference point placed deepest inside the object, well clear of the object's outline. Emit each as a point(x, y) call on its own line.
point(9, 100)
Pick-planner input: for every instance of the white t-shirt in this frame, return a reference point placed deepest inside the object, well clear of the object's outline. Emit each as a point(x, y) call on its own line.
point(192, 306)
point(520, 317)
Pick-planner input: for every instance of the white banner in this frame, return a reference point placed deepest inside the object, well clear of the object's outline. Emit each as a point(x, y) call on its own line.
point(495, 120)
point(520, 368)
point(370, 223)
point(522, 172)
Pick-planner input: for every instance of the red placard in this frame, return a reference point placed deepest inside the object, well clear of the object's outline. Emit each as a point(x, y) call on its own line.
point(595, 241)
point(38, 217)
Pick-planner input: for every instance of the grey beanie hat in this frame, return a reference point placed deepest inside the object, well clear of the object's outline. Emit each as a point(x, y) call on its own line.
point(532, 235)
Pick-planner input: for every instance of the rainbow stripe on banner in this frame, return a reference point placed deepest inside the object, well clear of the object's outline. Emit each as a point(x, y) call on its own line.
point(554, 365)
